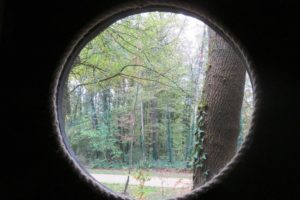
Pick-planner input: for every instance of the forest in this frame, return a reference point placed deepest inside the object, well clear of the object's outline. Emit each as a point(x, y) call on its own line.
point(137, 94)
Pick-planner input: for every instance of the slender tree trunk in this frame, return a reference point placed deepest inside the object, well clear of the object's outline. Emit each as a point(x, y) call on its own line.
point(106, 101)
point(186, 121)
point(142, 134)
point(66, 107)
point(219, 110)
point(169, 136)
point(93, 110)
point(154, 122)
point(196, 77)
point(122, 145)
point(132, 138)
point(123, 130)
point(77, 107)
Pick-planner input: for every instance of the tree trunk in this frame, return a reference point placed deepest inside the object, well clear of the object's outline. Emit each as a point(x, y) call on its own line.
point(131, 140)
point(66, 106)
point(154, 122)
point(142, 134)
point(169, 136)
point(77, 108)
point(106, 101)
point(94, 117)
point(196, 77)
point(186, 120)
point(219, 110)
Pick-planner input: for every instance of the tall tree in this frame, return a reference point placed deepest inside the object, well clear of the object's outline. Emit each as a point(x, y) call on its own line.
point(94, 118)
point(142, 135)
point(66, 106)
point(169, 135)
point(219, 110)
point(196, 75)
point(154, 128)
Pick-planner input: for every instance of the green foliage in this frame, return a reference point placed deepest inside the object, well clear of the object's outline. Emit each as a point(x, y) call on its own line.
point(97, 163)
point(145, 50)
point(199, 156)
point(141, 176)
point(149, 51)
point(94, 142)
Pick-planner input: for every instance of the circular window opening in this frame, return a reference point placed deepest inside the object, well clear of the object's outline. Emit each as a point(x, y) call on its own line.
point(155, 105)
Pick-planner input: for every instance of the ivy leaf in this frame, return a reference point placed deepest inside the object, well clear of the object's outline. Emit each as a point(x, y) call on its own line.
point(199, 165)
point(206, 173)
point(203, 157)
point(195, 155)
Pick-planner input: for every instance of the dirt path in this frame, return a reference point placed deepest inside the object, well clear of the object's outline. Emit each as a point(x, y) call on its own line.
point(154, 181)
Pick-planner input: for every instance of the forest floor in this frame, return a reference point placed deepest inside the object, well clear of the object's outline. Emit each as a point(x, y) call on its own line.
point(158, 178)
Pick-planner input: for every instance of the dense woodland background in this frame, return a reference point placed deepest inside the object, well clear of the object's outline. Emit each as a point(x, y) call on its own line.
point(132, 95)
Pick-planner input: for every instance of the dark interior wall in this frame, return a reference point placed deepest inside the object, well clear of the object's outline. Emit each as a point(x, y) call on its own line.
point(34, 38)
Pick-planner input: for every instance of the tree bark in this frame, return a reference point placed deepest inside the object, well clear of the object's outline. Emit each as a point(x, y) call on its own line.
point(94, 117)
point(66, 106)
point(142, 134)
point(219, 108)
point(169, 135)
point(154, 122)
point(186, 120)
point(106, 101)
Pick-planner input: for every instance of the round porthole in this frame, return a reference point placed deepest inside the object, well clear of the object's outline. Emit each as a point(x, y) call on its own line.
point(153, 105)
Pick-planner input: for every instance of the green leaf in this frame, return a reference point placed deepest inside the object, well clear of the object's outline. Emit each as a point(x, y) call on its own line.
point(203, 157)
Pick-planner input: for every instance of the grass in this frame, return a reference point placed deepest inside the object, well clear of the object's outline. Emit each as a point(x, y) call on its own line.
point(170, 173)
point(151, 193)
point(108, 171)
